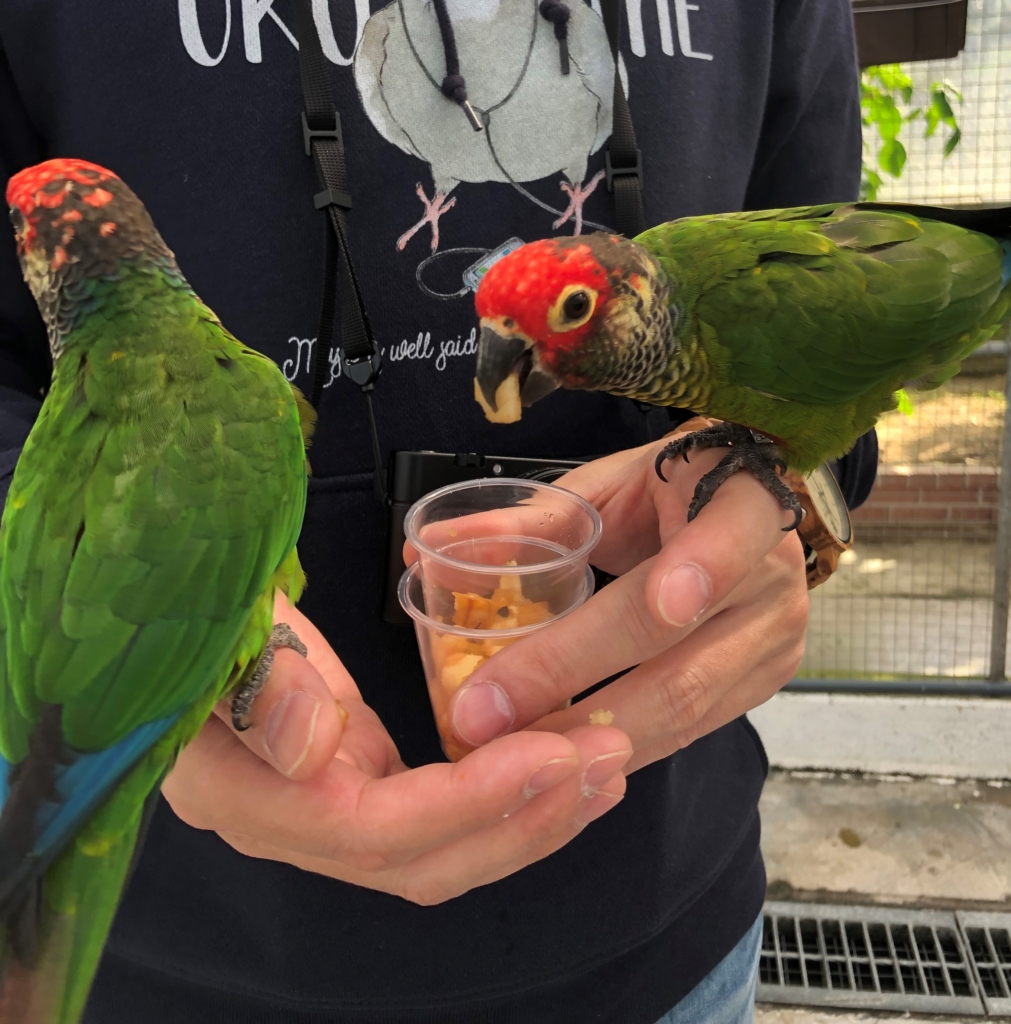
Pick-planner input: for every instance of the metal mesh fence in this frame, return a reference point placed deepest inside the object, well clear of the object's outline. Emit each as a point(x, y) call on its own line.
point(979, 170)
point(914, 597)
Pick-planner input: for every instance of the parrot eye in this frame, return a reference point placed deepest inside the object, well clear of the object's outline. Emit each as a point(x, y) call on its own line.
point(576, 306)
point(572, 308)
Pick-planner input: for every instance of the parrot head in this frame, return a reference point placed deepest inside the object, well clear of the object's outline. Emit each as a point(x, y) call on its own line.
point(73, 220)
point(588, 312)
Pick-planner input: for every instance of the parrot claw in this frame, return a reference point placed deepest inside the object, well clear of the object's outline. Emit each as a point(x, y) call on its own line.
point(282, 635)
point(760, 457)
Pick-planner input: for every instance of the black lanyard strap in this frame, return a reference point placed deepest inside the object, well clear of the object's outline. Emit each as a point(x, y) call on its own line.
point(623, 160)
point(361, 357)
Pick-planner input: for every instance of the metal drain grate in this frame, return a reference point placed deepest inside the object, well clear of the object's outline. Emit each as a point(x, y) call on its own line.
point(988, 937)
point(871, 957)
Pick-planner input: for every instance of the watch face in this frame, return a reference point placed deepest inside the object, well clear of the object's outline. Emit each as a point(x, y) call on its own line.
point(830, 503)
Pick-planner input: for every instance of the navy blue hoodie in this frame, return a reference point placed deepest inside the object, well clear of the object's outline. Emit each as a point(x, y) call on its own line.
point(195, 104)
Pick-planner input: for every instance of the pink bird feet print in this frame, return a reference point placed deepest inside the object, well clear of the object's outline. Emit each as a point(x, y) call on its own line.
point(578, 194)
point(434, 209)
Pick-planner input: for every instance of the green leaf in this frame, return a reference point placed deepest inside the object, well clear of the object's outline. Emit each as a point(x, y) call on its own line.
point(870, 184)
point(886, 115)
point(905, 402)
point(882, 89)
point(940, 102)
point(892, 157)
point(892, 78)
point(947, 88)
point(933, 120)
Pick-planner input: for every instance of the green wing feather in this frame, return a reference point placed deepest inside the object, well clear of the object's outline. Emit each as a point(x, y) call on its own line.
point(811, 319)
point(153, 512)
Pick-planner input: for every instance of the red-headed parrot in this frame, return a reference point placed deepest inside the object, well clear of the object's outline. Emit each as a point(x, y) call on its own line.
point(151, 517)
point(796, 325)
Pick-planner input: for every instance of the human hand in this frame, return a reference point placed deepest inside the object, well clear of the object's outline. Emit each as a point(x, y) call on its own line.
point(711, 612)
point(329, 795)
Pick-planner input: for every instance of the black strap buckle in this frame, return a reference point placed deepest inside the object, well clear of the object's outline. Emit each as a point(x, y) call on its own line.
point(331, 197)
point(364, 370)
point(615, 172)
point(308, 134)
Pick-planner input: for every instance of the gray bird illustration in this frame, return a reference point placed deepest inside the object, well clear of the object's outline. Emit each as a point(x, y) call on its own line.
point(537, 120)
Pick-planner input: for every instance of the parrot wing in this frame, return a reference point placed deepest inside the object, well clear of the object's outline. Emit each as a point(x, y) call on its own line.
point(824, 304)
point(139, 559)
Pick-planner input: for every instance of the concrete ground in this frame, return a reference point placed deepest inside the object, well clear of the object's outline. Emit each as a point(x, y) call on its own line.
point(961, 737)
point(896, 840)
point(791, 1015)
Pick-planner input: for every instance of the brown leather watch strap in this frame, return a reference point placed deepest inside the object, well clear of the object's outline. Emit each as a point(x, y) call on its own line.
point(820, 544)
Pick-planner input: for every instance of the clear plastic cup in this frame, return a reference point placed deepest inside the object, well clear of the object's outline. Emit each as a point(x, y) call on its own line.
point(469, 535)
point(451, 652)
point(496, 560)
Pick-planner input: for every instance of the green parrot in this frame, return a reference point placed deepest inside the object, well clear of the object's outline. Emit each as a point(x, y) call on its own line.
point(151, 518)
point(795, 327)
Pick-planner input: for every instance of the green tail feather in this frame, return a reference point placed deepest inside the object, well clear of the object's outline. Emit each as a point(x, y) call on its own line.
point(77, 901)
point(79, 894)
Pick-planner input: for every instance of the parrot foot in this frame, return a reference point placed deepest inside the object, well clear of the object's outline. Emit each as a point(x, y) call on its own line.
point(282, 635)
point(762, 458)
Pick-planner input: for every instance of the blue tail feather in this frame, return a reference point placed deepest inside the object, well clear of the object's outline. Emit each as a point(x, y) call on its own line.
point(80, 787)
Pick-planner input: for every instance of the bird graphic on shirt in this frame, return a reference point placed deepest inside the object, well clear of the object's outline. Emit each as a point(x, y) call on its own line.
point(537, 121)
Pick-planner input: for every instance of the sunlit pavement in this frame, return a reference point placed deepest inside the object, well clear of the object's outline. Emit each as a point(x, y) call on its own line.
point(888, 839)
point(798, 1015)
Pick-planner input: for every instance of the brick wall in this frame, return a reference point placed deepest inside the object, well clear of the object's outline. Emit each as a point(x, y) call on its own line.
point(933, 498)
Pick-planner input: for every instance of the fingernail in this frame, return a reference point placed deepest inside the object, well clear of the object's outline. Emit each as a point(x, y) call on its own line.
point(684, 594)
point(594, 808)
point(548, 775)
point(290, 730)
point(602, 768)
point(482, 712)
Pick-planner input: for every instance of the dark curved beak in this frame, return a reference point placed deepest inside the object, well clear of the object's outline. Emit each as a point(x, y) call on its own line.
point(499, 356)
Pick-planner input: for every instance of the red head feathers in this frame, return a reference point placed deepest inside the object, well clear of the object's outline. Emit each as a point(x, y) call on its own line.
point(74, 220)
point(587, 312)
point(44, 187)
point(550, 289)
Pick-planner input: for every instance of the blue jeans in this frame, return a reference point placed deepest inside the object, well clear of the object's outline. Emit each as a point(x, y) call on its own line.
point(726, 995)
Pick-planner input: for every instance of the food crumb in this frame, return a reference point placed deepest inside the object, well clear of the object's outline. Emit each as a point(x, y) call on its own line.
point(342, 711)
point(601, 717)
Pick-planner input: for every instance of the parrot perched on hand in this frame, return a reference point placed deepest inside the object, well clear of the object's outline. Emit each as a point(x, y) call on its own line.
point(795, 327)
point(151, 518)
